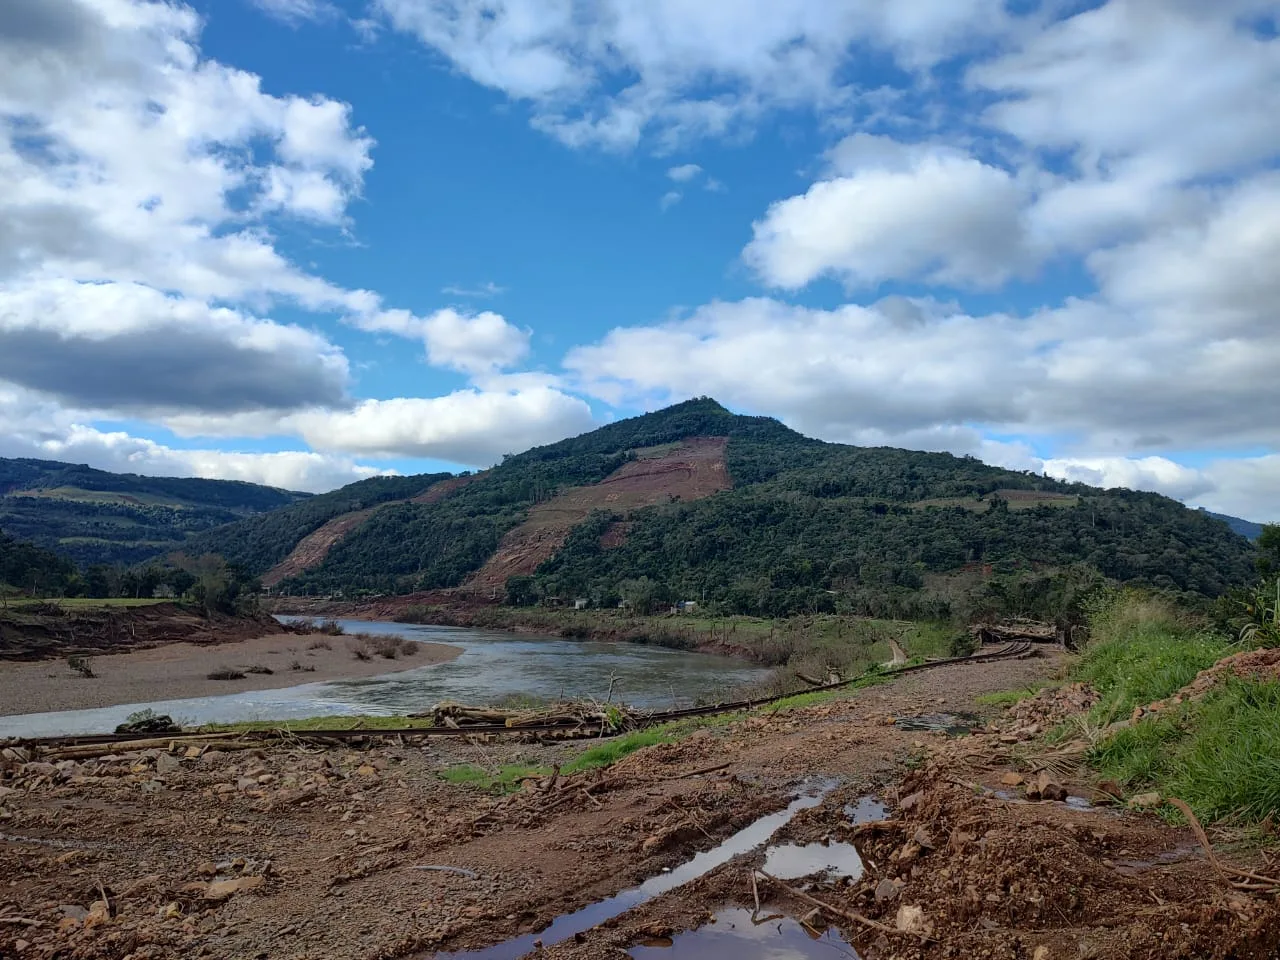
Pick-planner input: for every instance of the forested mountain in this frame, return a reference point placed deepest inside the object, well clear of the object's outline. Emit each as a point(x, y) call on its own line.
point(791, 524)
point(92, 516)
point(259, 543)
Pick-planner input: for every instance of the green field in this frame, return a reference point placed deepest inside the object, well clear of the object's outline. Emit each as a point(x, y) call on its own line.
point(89, 603)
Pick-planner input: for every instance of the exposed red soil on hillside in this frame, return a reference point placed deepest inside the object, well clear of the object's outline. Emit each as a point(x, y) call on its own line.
point(689, 471)
point(315, 546)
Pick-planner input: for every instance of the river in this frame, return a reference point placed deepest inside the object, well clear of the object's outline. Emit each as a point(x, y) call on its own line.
point(492, 665)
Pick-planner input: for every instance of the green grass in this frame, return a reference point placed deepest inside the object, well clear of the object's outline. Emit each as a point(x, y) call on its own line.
point(1144, 650)
point(1221, 755)
point(1007, 698)
point(88, 603)
point(609, 752)
point(330, 722)
point(505, 779)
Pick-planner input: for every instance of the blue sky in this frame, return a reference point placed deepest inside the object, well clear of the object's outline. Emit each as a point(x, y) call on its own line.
point(300, 242)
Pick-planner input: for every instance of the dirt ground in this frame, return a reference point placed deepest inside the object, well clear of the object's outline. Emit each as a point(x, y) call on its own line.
point(180, 670)
point(308, 851)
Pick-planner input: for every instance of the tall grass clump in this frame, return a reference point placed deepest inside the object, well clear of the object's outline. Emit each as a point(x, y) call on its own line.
point(1221, 752)
point(1142, 649)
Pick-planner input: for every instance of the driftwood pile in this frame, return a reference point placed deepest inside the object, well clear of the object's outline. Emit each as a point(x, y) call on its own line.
point(1014, 630)
point(587, 715)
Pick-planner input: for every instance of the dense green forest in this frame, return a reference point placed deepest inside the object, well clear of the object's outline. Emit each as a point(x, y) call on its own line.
point(31, 569)
point(95, 517)
point(809, 526)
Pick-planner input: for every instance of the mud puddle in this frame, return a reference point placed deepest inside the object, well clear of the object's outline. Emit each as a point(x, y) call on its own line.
point(792, 861)
point(734, 935)
point(866, 810)
point(570, 924)
point(952, 724)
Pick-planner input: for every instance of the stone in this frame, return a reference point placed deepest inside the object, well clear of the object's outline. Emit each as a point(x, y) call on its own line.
point(39, 769)
point(1040, 953)
point(910, 802)
point(191, 753)
point(212, 756)
point(911, 919)
point(1145, 801)
point(1045, 787)
point(225, 889)
point(73, 911)
point(1011, 779)
point(207, 869)
point(99, 913)
point(246, 783)
point(886, 890)
point(167, 763)
point(366, 770)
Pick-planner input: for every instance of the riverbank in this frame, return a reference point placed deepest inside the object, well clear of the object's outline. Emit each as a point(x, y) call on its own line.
point(403, 849)
point(815, 645)
point(49, 629)
point(176, 671)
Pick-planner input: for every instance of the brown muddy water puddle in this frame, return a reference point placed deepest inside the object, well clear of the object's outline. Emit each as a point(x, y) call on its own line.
point(569, 925)
point(736, 935)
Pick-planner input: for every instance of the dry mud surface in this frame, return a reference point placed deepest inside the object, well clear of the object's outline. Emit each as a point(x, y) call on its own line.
point(302, 850)
point(178, 671)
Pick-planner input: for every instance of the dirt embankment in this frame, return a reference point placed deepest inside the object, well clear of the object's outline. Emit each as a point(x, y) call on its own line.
point(178, 671)
point(301, 851)
point(31, 632)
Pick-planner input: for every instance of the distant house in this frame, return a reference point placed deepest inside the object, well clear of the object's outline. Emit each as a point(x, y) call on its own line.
point(581, 603)
point(685, 606)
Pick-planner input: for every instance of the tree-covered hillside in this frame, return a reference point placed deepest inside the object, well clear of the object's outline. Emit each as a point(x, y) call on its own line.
point(258, 543)
point(26, 567)
point(93, 516)
point(807, 526)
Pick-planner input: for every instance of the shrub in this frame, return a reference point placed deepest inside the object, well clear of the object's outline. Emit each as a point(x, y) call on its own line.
point(82, 666)
point(259, 668)
point(226, 673)
point(296, 665)
point(359, 648)
point(320, 645)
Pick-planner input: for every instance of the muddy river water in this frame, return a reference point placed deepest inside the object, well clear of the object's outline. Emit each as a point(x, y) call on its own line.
point(492, 665)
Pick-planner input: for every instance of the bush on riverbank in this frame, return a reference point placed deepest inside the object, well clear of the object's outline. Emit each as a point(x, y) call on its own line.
point(1219, 753)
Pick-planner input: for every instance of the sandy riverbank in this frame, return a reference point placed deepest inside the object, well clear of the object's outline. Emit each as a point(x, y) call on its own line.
point(180, 670)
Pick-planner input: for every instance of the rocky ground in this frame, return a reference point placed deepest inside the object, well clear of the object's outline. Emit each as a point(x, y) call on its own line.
point(311, 851)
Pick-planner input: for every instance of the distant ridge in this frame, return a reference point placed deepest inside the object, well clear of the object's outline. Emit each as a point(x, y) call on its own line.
point(1246, 528)
point(94, 516)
